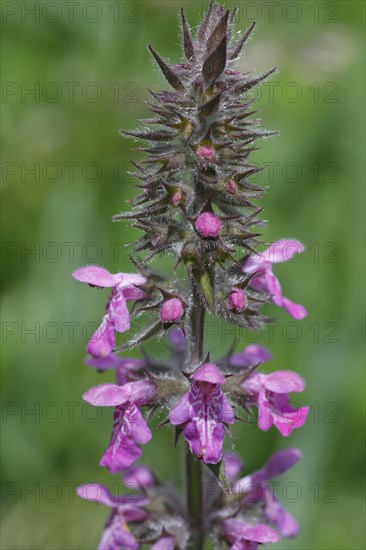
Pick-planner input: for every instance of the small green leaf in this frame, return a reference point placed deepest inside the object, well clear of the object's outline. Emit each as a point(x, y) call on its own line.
point(205, 281)
point(219, 472)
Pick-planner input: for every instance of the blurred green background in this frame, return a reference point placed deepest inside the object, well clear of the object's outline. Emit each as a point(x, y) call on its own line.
point(73, 74)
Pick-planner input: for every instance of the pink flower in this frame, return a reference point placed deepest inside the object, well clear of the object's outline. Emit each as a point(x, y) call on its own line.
point(165, 543)
point(171, 310)
point(125, 509)
point(247, 537)
point(233, 464)
point(139, 477)
point(271, 394)
point(177, 339)
point(206, 152)
point(208, 225)
point(117, 317)
point(202, 413)
point(250, 356)
point(129, 427)
point(123, 366)
point(237, 300)
point(261, 265)
point(255, 489)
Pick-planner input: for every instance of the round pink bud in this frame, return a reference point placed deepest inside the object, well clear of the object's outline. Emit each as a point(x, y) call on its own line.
point(206, 152)
point(236, 301)
point(232, 186)
point(208, 224)
point(171, 310)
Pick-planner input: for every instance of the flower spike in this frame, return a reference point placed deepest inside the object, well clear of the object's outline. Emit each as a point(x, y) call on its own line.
point(197, 207)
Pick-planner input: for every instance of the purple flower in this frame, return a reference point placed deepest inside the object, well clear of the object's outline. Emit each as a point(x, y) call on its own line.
point(125, 509)
point(177, 338)
point(247, 537)
point(123, 366)
point(233, 464)
point(171, 310)
point(208, 225)
point(250, 356)
point(237, 300)
point(129, 427)
point(202, 413)
point(271, 394)
point(117, 317)
point(255, 488)
point(139, 477)
point(261, 264)
point(164, 543)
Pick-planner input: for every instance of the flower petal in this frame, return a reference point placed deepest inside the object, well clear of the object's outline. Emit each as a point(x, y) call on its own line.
point(103, 340)
point(126, 281)
point(296, 311)
point(250, 356)
point(95, 276)
point(209, 373)
point(265, 416)
point(110, 361)
point(142, 392)
point(281, 518)
point(165, 543)
point(118, 311)
point(280, 462)
point(260, 533)
point(138, 477)
point(237, 530)
point(108, 395)
point(113, 361)
point(284, 381)
point(288, 418)
point(254, 263)
point(129, 427)
point(117, 535)
point(182, 412)
point(227, 414)
point(119, 456)
point(273, 288)
point(177, 338)
point(137, 427)
point(112, 395)
point(95, 492)
point(233, 465)
point(282, 251)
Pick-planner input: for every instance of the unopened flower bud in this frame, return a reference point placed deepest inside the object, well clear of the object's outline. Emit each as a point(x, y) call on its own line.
point(177, 197)
point(208, 224)
point(236, 301)
point(171, 310)
point(206, 152)
point(232, 186)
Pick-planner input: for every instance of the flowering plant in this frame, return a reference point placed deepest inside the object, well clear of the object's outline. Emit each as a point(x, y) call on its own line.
point(197, 204)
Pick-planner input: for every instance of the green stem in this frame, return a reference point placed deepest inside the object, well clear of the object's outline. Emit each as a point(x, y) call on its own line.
point(194, 473)
point(194, 500)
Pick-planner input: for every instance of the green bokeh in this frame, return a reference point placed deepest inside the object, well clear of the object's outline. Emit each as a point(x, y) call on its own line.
point(67, 132)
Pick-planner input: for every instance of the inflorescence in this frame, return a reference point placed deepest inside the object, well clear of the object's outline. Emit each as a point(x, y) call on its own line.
point(197, 204)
